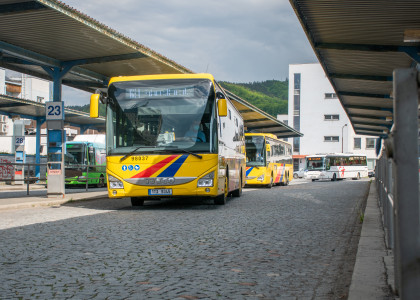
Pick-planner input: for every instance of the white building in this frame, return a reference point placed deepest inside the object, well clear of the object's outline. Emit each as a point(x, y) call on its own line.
point(315, 110)
point(20, 86)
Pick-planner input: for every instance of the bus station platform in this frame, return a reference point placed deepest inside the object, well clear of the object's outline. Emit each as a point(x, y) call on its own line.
point(373, 274)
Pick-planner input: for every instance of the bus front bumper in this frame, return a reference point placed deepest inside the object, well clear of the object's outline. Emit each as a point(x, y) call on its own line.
point(187, 190)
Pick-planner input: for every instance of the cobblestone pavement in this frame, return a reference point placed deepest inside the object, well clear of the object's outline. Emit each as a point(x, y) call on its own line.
point(295, 242)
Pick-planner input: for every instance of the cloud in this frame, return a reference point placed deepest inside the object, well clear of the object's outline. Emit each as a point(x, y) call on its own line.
point(235, 40)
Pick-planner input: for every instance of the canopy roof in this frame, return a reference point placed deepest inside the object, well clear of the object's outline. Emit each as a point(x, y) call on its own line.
point(39, 37)
point(359, 43)
point(12, 106)
point(256, 120)
point(41, 34)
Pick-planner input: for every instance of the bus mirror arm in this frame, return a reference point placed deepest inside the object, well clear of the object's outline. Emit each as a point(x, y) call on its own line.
point(102, 97)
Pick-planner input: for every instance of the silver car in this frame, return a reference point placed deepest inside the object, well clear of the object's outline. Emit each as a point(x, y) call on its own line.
point(298, 174)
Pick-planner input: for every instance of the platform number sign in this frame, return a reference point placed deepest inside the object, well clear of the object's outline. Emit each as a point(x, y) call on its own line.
point(54, 110)
point(19, 141)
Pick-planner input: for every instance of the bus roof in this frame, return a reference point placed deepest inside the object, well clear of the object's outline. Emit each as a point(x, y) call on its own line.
point(162, 76)
point(270, 135)
point(98, 145)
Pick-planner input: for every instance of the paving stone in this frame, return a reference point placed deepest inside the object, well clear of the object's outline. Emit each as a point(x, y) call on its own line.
point(280, 243)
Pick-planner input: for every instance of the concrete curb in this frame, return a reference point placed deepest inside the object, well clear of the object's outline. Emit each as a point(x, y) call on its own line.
point(8, 204)
point(369, 280)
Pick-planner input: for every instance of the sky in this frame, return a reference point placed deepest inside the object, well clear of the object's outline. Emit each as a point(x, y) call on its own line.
point(235, 40)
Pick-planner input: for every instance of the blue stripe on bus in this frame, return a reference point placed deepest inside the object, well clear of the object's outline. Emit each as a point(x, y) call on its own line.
point(249, 171)
point(174, 167)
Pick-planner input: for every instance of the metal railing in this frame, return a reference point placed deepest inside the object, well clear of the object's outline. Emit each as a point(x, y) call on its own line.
point(397, 179)
point(27, 178)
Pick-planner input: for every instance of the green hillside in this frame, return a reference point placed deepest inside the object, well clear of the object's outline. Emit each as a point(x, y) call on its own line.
point(86, 109)
point(269, 96)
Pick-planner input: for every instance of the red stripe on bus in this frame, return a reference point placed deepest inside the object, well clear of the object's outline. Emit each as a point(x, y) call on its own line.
point(279, 173)
point(153, 169)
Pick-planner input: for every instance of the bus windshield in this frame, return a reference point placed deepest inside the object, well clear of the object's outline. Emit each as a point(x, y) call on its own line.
point(75, 154)
point(255, 150)
point(315, 163)
point(158, 116)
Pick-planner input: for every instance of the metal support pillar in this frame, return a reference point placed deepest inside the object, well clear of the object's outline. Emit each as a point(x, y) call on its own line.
point(39, 122)
point(56, 134)
point(405, 158)
point(83, 129)
point(19, 150)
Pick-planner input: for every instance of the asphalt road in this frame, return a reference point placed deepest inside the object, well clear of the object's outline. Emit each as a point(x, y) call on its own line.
point(295, 242)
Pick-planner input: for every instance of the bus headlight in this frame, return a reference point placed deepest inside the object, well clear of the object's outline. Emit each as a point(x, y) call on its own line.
point(206, 181)
point(261, 178)
point(115, 183)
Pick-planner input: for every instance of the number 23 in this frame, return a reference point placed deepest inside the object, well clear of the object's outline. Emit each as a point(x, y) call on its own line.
point(54, 110)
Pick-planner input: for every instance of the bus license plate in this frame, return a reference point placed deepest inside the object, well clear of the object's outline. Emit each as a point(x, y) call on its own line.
point(155, 192)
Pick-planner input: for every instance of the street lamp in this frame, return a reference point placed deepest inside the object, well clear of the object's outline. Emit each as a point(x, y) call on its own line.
point(342, 138)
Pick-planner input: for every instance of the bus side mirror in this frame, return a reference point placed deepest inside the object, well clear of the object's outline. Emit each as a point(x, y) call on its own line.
point(222, 107)
point(94, 105)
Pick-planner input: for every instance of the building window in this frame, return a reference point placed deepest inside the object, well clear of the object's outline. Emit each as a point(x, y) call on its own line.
point(370, 143)
point(296, 122)
point(357, 143)
point(296, 144)
point(296, 164)
point(330, 96)
point(331, 117)
point(296, 103)
point(331, 138)
point(296, 80)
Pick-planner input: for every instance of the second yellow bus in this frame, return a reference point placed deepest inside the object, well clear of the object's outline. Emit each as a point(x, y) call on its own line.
point(268, 160)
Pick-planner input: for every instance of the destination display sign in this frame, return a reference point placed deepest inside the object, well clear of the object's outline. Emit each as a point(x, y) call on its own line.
point(314, 158)
point(160, 92)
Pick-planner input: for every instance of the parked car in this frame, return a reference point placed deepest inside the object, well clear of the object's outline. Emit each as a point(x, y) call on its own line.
point(298, 174)
point(371, 173)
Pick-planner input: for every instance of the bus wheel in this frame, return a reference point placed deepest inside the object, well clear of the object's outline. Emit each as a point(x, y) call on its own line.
point(334, 177)
point(101, 181)
point(136, 201)
point(238, 192)
point(221, 199)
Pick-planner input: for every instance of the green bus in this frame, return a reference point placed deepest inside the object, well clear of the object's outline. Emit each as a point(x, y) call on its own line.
point(83, 161)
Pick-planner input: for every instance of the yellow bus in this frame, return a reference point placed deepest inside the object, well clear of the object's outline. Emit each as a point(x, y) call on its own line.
point(268, 160)
point(170, 136)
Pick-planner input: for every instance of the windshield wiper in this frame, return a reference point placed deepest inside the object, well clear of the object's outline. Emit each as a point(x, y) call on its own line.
point(186, 151)
point(132, 152)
